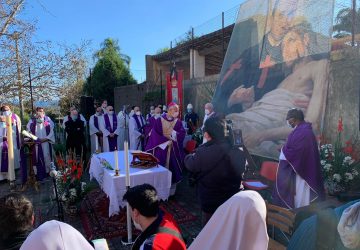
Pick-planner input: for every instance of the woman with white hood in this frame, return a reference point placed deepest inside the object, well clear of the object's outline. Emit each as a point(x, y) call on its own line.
point(55, 235)
point(239, 223)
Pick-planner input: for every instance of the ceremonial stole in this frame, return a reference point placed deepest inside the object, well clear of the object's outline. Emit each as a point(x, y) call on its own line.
point(140, 126)
point(4, 154)
point(40, 160)
point(15, 121)
point(96, 122)
point(112, 140)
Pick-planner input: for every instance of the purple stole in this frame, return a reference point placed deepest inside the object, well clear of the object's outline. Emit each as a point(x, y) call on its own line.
point(96, 122)
point(14, 119)
point(40, 162)
point(140, 125)
point(4, 155)
point(112, 140)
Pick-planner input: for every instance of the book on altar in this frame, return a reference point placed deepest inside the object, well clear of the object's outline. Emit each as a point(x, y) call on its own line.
point(143, 159)
point(29, 135)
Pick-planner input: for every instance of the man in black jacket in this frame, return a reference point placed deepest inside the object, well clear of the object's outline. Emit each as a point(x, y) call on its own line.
point(75, 129)
point(218, 166)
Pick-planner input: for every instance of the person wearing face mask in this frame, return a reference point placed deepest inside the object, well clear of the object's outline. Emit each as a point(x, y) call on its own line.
point(66, 118)
point(110, 129)
point(42, 127)
point(151, 114)
point(104, 105)
point(209, 112)
point(16, 126)
point(137, 124)
point(299, 180)
point(158, 229)
point(150, 123)
point(191, 119)
point(94, 130)
point(166, 143)
point(124, 126)
point(75, 129)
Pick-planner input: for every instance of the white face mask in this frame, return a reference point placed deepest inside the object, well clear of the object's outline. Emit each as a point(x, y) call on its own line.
point(207, 112)
point(176, 114)
point(288, 124)
point(7, 113)
point(138, 113)
point(2, 124)
point(137, 226)
point(98, 113)
point(111, 112)
point(157, 116)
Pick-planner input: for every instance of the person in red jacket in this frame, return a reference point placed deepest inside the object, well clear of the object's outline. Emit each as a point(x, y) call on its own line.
point(159, 229)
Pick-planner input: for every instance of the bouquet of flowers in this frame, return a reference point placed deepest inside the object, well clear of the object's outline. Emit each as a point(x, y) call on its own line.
point(68, 181)
point(340, 164)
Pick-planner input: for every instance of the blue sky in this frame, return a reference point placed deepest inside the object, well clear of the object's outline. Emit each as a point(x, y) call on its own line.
point(142, 27)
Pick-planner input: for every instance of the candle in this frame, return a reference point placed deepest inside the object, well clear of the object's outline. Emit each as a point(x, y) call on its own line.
point(126, 157)
point(116, 162)
point(97, 144)
point(9, 135)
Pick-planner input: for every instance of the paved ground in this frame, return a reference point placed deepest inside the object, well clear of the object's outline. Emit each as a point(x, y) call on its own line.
point(46, 209)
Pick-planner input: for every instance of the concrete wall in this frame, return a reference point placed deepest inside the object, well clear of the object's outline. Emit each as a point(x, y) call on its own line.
point(343, 94)
point(342, 101)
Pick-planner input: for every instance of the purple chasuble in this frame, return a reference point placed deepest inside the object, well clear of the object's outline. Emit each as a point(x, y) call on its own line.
point(112, 140)
point(15, 121)
point(39, 159)
point(176, 154)
point(302, 158)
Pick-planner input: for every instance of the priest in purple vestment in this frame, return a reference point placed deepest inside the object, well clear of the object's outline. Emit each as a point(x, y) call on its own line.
point(110, 129)
point(166, 140)
point(299, 180)
point(150, 123)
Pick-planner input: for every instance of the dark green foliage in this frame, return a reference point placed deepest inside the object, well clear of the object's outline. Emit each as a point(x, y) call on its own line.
point(111, 70)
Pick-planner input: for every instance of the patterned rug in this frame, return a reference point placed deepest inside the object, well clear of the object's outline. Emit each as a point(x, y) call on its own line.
point(94, 212)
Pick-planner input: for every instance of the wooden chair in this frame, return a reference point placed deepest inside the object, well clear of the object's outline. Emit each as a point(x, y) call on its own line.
point(282, 220)
point(268, 171)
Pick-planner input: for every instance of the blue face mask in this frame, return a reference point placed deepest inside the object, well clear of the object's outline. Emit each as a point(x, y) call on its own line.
point(189, 110)
point(2, 124)
point(7, 113)
point(40, 120)
point(74, 117)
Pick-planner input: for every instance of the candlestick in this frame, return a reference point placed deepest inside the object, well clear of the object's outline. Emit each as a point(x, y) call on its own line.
point(126, 157)
point(96, 144)
point(116, 162)
point(9, 135)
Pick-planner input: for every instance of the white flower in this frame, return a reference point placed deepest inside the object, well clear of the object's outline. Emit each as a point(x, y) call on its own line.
point(72, 192)
point(355, 172)
point(347, 159)
point(323, 163)
point(63, 197)
point(348, 176)
point(337, 177)
point(83, 186)
point(327, 167)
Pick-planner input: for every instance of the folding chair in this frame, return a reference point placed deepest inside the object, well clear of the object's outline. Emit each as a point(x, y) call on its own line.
point(268, 171)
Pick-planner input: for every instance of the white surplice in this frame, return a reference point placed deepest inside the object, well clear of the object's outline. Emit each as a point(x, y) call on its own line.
point(3, 175)
point(40, 132)
point(93, 130)
point(106, 133)
point(123, 124)
point(134, 132)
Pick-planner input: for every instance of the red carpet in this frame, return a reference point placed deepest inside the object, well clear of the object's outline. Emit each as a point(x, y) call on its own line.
point(96, 223)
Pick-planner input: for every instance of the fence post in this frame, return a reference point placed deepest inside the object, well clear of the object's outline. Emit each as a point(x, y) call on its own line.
point(192, 54)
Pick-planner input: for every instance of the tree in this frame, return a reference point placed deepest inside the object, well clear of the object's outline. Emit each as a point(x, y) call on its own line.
point(109, 72)
point(344, 22)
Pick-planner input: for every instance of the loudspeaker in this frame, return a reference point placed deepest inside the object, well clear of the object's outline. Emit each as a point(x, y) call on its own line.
point(87, 107)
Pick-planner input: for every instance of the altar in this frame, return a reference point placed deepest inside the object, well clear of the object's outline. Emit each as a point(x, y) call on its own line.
point(114, 186)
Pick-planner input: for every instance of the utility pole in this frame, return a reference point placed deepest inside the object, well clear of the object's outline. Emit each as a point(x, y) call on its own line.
point(31, 93)
point(16, 37)
point(353, 23)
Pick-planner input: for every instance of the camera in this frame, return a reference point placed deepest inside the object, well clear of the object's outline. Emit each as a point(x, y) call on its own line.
point(235, 135)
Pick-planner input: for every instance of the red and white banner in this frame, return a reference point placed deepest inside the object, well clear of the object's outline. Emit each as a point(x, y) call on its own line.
point(174, 88)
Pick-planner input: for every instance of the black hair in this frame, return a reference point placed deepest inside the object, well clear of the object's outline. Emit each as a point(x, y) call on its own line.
point(132, 107)
point(16, 213)
point(39, 108)
point(296, 114)
point(215, 127)
point(144, 198)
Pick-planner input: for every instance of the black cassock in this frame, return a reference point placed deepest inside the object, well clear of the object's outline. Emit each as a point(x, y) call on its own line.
point(75, 135)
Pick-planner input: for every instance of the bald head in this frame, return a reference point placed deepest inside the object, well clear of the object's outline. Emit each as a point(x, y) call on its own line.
point(210, 107)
